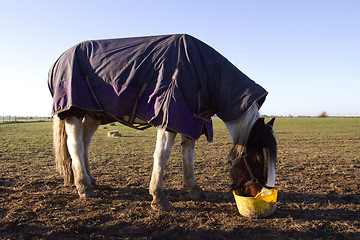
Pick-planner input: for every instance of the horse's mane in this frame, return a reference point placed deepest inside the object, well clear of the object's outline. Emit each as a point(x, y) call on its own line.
point(241, 128)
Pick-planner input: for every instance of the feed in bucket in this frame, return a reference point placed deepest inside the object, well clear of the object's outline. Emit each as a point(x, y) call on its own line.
point(262, 205)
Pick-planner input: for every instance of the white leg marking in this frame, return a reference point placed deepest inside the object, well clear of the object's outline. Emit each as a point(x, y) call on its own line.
point(189, 179)
point(90, 126)
point(187, 154)
point(164, 143)
point(74, 130)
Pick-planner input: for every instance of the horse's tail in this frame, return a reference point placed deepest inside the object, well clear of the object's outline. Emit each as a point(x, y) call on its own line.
point(61, 152)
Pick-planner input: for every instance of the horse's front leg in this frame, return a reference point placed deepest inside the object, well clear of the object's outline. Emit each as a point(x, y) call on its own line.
point(75, 144)
point(189, 180)
point(164, 143)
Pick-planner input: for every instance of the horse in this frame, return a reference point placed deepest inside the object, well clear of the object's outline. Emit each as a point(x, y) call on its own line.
point(83, 99)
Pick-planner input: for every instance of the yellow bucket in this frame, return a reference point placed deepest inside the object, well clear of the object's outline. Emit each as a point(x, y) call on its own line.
point(262, 205)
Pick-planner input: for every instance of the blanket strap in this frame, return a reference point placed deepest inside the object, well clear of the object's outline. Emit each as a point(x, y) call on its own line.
point(134, 110)
point(130, 123)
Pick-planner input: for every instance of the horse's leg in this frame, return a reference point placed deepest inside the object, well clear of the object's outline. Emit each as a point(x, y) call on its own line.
point(164, 143)
point(90, 125)
point(75, 143)
point(189, 180)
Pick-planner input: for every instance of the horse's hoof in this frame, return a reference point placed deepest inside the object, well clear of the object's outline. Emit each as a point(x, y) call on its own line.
point(93, 182)
point(197, 194)
point(68, 183)
point(162, 205)
point(87, 193)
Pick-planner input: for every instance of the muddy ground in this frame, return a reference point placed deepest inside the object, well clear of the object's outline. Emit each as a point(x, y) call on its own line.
point(317, 178)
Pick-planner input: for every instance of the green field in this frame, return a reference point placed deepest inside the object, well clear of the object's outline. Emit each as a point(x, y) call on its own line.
point(318, 172)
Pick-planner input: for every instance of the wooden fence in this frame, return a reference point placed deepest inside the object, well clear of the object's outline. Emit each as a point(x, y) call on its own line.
point(20, 119)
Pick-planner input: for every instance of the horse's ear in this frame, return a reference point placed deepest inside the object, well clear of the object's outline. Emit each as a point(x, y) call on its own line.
point(259, 124)
point(271, 122)
point(256, 132)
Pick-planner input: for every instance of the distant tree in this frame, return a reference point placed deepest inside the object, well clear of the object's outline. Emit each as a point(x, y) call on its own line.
point(323, 115)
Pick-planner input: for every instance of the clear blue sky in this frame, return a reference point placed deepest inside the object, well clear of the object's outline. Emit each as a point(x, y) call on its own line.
point(305, 53)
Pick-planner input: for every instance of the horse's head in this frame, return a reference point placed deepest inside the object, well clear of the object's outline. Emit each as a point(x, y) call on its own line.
point(252, 167)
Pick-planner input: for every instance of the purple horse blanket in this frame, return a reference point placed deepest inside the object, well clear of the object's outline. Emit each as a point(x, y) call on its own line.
point(175, 82)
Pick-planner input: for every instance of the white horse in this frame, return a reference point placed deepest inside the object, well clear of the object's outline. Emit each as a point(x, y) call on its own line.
point(73, 134)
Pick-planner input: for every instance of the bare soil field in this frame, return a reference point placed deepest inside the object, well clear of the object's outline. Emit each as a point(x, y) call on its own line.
point(318, 172)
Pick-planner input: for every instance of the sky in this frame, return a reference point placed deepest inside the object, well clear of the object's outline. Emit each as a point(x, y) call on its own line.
point(305, 53)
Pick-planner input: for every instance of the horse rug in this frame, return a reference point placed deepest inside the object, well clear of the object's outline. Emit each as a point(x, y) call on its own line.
point(175, 82)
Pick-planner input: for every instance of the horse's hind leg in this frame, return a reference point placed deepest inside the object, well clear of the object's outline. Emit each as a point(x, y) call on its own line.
point(189, 180)
point(90, 125)
point(75, 143)
point(164, 143)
